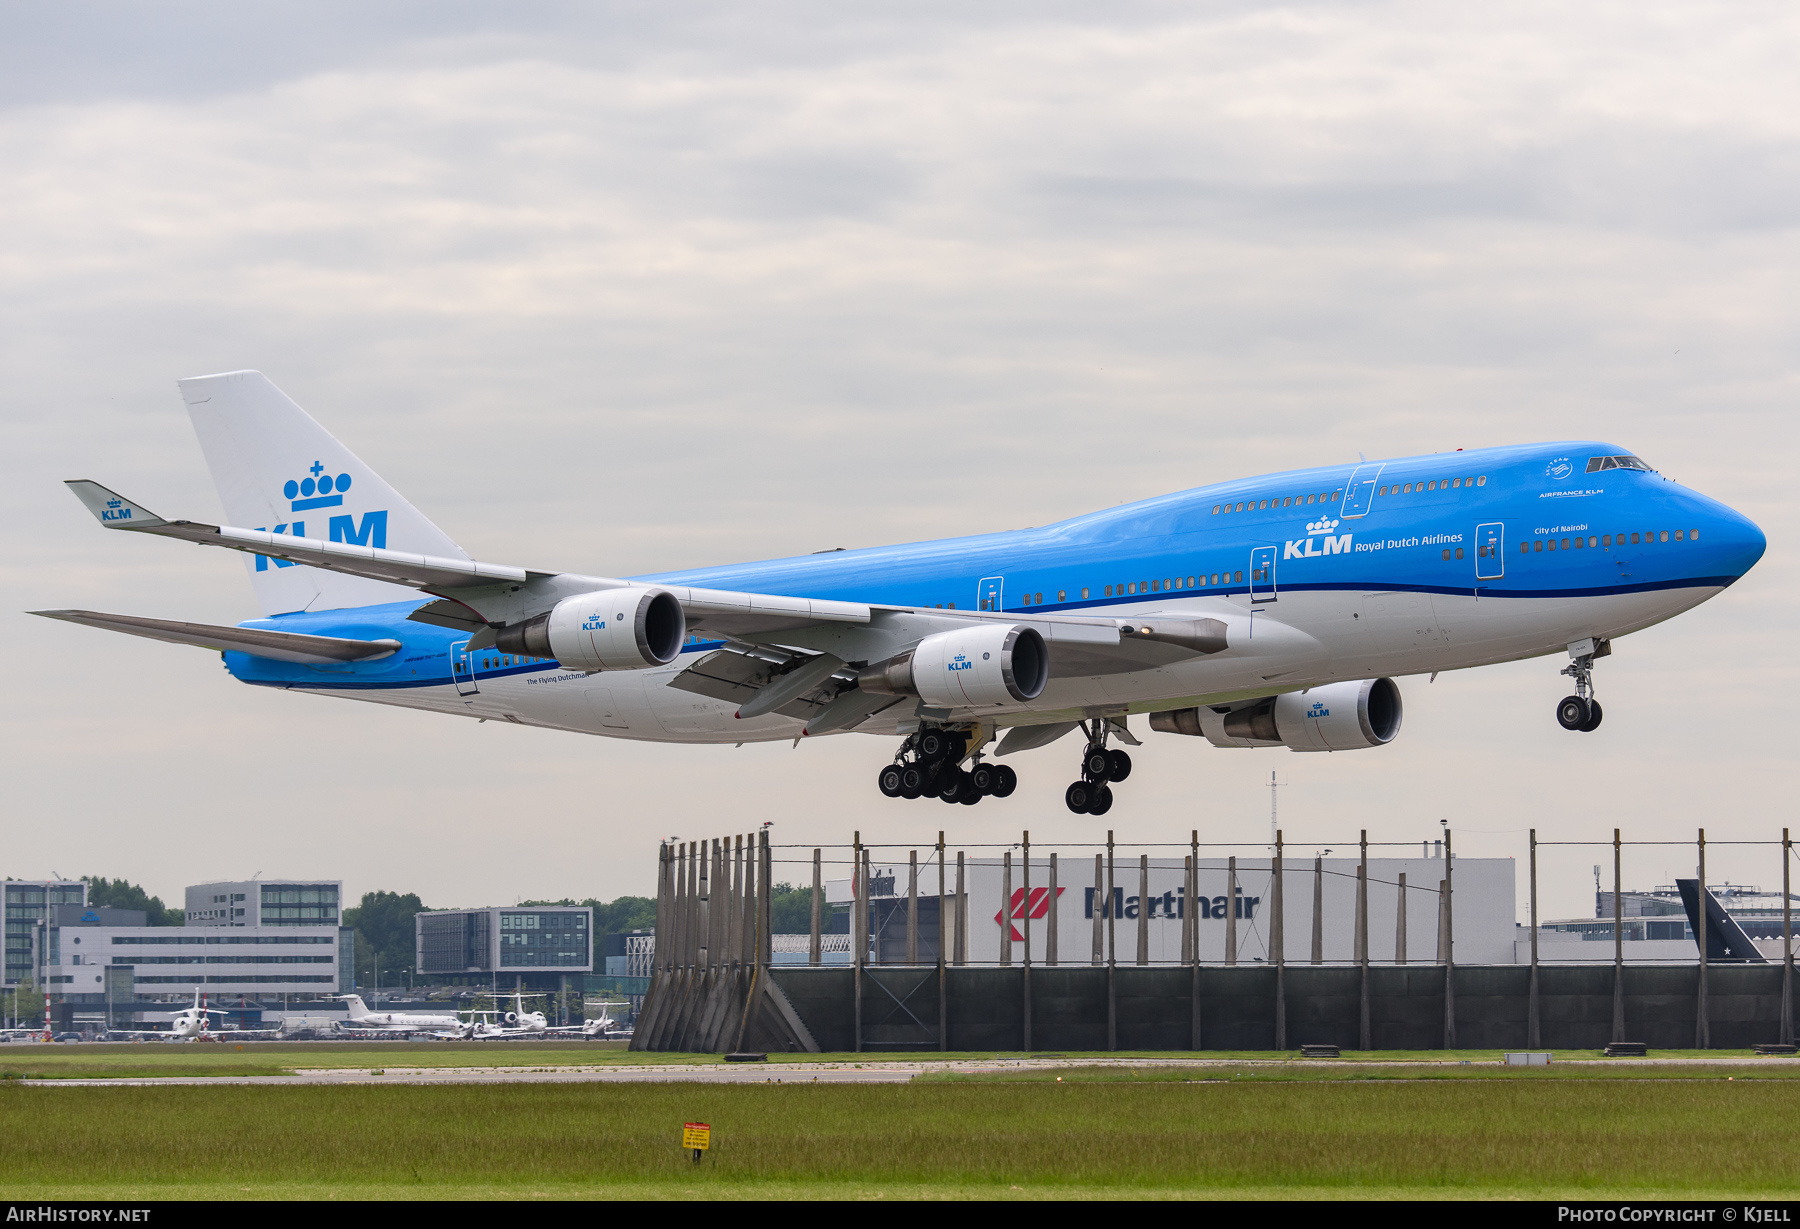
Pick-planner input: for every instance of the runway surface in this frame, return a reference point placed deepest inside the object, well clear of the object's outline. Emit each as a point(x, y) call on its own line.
point(882, 1072)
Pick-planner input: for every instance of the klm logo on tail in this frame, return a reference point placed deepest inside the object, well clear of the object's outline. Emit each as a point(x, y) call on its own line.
point(1309, 547)
point(321, 490)
point(115, 511)
point(317, 491)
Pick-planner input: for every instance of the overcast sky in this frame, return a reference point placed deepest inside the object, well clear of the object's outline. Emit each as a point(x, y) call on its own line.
point(618, 288)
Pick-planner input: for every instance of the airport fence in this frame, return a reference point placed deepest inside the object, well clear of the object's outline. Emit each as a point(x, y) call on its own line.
point(920, 976)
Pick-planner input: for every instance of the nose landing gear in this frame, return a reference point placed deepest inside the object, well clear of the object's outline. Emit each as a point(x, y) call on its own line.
point(1582, 711)
point(1100, 766)
point(929, 764)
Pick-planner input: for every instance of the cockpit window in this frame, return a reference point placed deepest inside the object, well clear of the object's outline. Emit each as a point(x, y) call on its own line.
point(1599, 463)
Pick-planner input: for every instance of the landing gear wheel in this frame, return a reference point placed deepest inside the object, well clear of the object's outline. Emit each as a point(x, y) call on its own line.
point(953, 784)
point(890, 780)
point(1118, 765)
point(1005, 780)
point(1078, 797)
point(1102, 802)
point(912, 781)
point(984, 777)
point(933, 744)
point(1593, 721)
point(1573, 712)
point(1096, 765)
point(970, 797)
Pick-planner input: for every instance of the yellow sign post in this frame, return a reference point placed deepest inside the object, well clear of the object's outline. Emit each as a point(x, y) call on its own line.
point(696, 1136)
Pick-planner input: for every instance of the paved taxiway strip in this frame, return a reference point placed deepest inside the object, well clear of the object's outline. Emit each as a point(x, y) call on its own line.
point(899, 1072)
point(452, 1075)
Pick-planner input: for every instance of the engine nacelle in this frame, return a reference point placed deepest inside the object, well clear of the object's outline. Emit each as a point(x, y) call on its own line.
point(972, 666)
point(630, 628)
point(1336, 717)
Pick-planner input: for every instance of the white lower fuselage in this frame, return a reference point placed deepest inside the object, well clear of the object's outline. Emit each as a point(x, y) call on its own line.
point(1303, 639)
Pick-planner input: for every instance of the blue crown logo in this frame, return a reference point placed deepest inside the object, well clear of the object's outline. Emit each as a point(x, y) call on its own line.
point(113, 503)
point(319, 491)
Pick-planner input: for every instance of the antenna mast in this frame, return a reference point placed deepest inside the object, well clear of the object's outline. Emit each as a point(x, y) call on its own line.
point(1274, 825)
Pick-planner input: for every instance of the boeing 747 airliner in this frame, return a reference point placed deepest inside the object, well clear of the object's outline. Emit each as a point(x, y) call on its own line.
point(1266, 612)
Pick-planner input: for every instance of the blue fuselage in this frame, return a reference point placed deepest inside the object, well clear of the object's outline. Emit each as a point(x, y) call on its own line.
point(1520, 524)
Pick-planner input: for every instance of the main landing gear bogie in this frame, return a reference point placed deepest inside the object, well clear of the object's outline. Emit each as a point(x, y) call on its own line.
point(1101, 768)
point(930, 764)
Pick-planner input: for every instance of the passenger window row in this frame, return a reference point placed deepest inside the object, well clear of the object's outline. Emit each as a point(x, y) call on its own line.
point(1606, 540)
point(1168, 584)
point(1254, 505)
point(1441, 484)
point(506, 663)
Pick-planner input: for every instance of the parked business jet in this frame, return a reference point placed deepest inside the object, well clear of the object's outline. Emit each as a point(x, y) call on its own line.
point(185, 1025)
point(396, 1021)
point(496, 1025)
point(1265, 612)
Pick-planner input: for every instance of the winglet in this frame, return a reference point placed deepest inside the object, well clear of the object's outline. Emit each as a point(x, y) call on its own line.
point(112, 510)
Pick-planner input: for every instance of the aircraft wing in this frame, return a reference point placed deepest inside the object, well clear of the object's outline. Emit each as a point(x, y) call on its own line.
point(483, 597)
point(282, 646)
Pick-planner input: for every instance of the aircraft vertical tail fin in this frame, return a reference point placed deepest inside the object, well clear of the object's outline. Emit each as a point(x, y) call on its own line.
point(277, 469)
point(354, 1002)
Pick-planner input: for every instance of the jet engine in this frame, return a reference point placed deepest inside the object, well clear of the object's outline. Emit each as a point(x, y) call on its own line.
point(1336, 717)
point(629, 628)
point(972, 666)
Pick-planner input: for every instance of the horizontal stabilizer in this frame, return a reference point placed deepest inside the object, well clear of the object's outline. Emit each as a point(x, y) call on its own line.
point(281, 646)
point(112, 510)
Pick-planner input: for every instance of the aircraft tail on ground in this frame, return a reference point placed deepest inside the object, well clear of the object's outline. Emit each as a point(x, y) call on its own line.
point(357, 1009)
point(278, 470)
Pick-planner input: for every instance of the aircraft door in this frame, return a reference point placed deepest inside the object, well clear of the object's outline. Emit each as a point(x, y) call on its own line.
point(1262, 574)
point(1490, 563)
point(1359, 492)
point(462, 669)
point(990, 593)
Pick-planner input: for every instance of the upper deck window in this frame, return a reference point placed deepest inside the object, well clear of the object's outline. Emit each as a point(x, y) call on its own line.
point(1595, 464)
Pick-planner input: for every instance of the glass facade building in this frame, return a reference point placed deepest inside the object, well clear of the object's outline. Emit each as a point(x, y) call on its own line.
point(25, 906)
point(464, 943)
point(258, 902)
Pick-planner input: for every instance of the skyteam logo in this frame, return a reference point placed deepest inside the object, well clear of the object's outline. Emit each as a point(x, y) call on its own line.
point(962, 662)
point(1559, 469)
point(1311, 547)
point(322, 490)
point(115, 511)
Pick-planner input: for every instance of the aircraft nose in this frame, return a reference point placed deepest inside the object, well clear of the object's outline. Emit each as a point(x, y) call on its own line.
point(1738, 543)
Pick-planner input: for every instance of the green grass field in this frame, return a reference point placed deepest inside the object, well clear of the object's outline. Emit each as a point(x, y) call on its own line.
point(1670, 1131)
